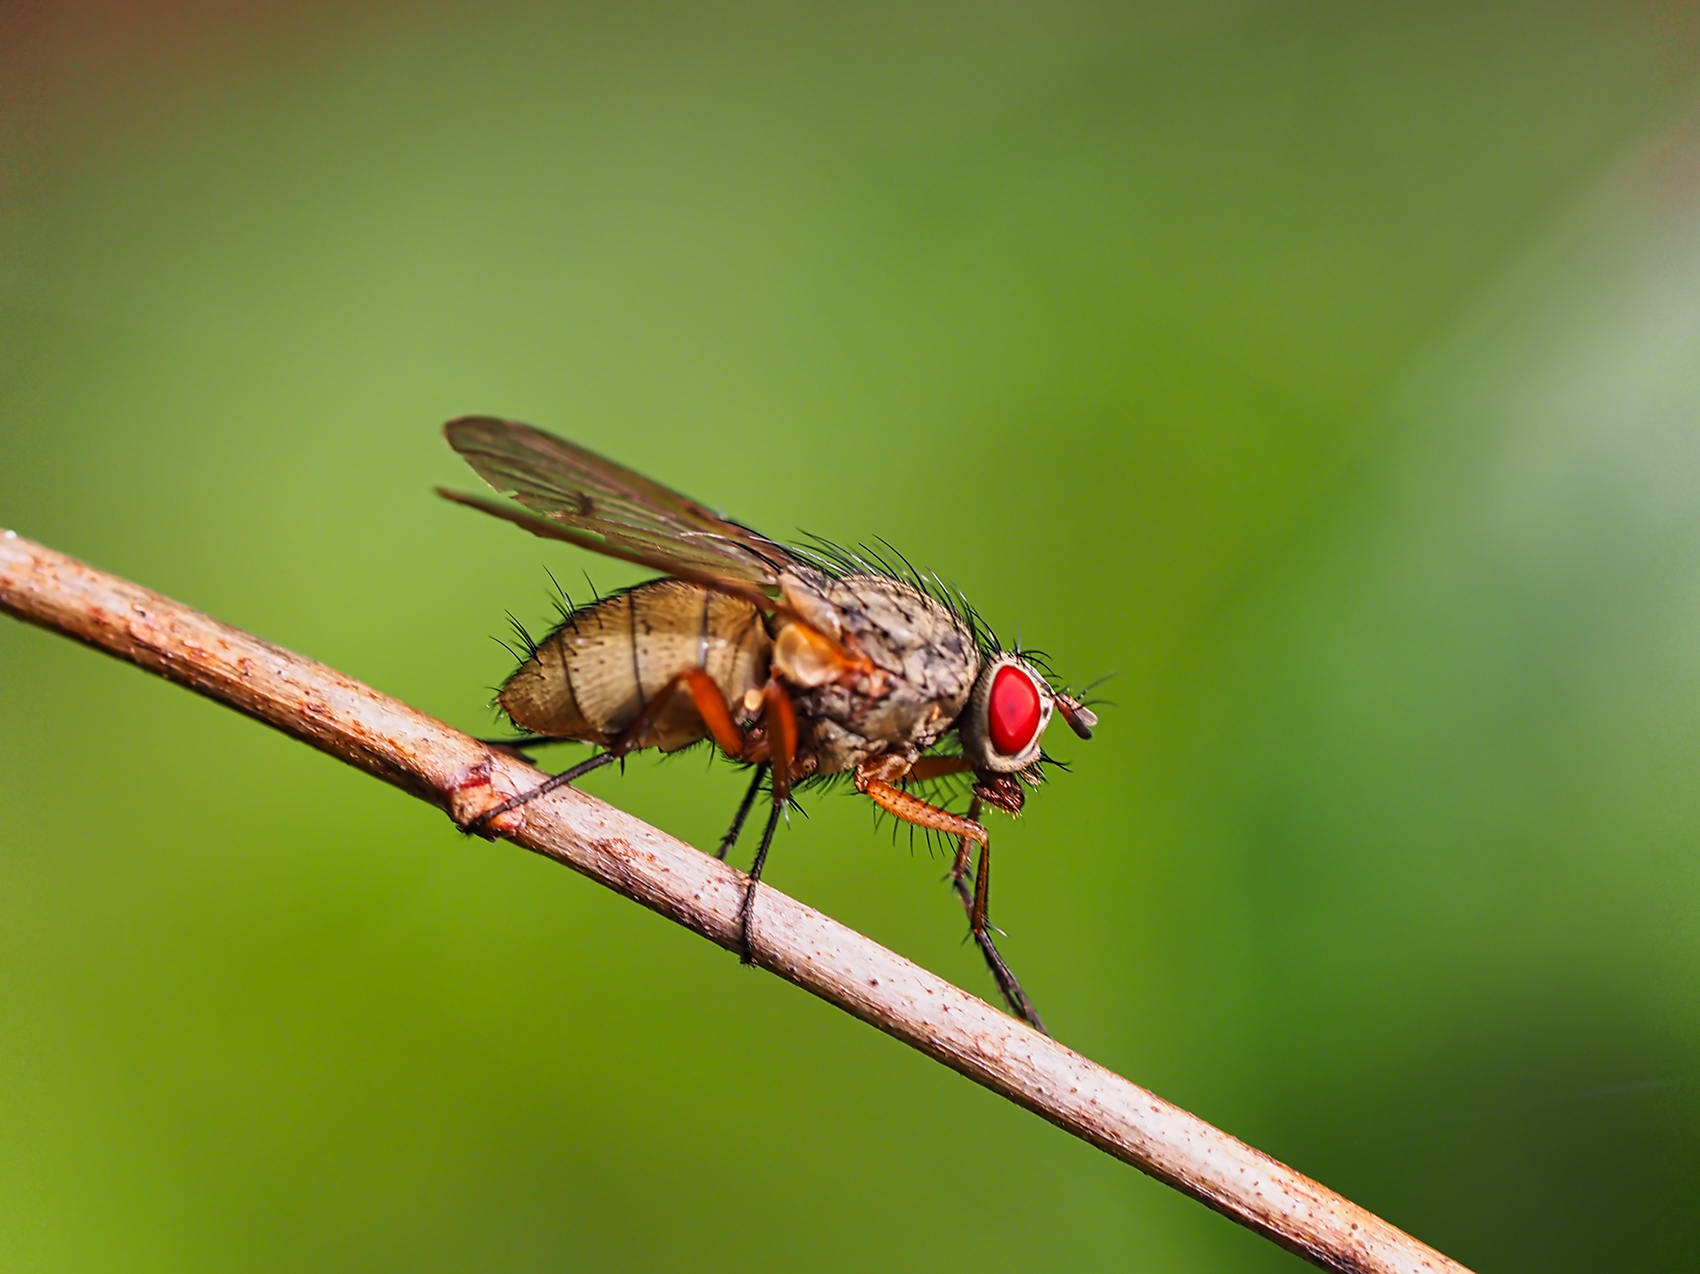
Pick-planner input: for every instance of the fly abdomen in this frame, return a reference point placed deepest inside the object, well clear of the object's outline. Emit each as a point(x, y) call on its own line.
point(592, 676)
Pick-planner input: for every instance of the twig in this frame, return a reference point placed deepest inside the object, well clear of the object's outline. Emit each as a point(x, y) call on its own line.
point(464, 777)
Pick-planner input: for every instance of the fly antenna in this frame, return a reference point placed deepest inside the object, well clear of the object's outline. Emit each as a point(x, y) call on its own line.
point(1090, 686)
point(1097, 701)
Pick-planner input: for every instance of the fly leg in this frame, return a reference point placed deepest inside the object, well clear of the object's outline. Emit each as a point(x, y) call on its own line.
point(747, 956)
point(710, 705)
point(980, 927)
point(780, 720)
point(476, 826)
point(932, 767)
point(964, 861)
point(731, 837)
point(968, 831)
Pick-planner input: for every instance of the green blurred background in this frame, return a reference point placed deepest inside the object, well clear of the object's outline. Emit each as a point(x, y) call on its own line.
point(1330, 373)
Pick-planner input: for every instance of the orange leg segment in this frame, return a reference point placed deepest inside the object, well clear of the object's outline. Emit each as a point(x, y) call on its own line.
point(968, 831)
point(781, 720)
point(912, 809)
point(933, 767)
point(710, 705)
point(778, 749)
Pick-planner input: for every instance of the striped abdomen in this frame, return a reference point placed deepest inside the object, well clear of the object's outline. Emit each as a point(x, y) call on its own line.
point(592, 676)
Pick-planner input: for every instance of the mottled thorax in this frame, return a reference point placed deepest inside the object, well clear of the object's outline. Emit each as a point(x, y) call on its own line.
point(926, 659)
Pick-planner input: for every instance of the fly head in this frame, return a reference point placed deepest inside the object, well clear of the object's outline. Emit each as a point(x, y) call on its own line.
point(1004, 720)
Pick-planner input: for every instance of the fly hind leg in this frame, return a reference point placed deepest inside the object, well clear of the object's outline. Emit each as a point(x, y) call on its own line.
point(710, 705)
point(777, 752)
point(479, 825)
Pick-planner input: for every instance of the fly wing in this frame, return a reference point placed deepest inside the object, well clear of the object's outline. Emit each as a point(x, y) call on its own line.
point(607, 508)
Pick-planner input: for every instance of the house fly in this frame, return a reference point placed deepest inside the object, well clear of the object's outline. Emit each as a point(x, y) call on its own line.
point(801, 663)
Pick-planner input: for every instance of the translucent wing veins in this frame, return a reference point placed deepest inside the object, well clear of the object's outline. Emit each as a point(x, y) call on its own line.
point(593, 502)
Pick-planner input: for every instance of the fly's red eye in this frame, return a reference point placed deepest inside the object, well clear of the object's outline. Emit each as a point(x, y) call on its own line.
point(1012, 711)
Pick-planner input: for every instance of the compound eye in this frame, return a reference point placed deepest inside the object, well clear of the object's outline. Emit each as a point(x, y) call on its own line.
point(1013, 711)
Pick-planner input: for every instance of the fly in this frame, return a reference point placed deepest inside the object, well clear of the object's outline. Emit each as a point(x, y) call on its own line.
point(802, 663)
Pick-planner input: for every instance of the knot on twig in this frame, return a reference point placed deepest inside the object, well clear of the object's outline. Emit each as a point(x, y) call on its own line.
point(475, 804)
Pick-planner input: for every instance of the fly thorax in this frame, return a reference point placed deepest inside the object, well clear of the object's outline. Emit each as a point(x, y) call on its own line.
point(927, 658)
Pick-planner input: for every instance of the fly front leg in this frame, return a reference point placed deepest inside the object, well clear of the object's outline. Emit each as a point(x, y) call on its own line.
point(873, 780)
point(933, 767)
point(968, 831)
point(980, 926)
point(959, 867)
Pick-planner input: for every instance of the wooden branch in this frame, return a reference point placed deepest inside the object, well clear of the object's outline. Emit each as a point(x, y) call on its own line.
point(464, 778)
